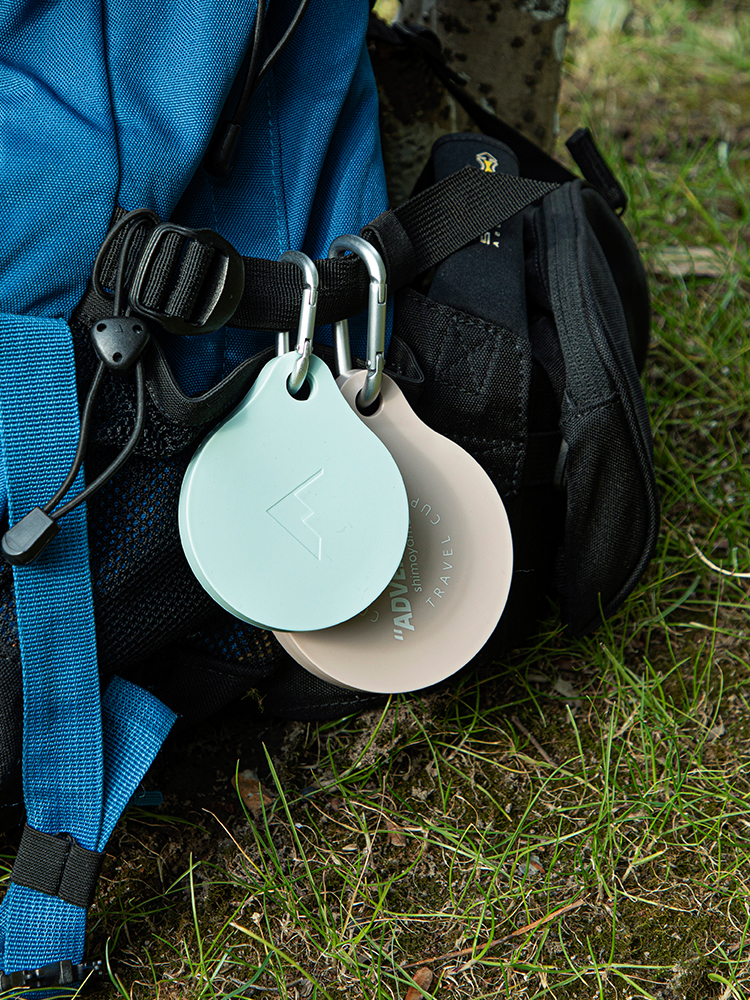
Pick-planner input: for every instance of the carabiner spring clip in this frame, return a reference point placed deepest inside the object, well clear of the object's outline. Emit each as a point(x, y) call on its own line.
point(306, 327)
point(376, 314)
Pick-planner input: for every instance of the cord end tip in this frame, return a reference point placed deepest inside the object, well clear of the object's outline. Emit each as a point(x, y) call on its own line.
point(26, 539)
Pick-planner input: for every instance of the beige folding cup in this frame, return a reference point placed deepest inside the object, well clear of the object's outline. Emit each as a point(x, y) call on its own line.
point(451, 587)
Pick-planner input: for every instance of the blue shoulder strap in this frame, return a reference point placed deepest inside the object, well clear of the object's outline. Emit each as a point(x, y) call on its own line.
point(84, 756)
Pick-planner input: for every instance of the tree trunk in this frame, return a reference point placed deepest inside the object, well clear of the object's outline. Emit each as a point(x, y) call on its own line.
point(509, 52)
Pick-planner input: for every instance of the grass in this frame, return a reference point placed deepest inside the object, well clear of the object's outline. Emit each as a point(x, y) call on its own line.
point(574, 822)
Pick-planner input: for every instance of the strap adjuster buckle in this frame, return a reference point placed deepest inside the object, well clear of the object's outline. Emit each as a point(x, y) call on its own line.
point(56, 974)
point(188, 280)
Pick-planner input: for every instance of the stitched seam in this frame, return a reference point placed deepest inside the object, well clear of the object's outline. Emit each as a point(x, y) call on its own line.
point(607, 403)
point(460, 327)
point(110, 91)
point(277, 177)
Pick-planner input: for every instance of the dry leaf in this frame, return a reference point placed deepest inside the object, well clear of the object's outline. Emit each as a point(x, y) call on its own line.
point(566, 689)
point(423, 979)
point(252, 792)
point(703, 262)
point(717, 730)
point(394, 835)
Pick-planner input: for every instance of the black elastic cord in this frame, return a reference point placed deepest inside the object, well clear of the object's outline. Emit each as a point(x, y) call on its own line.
point(282, 44)
point(124, 455)
point(248, 84)
point(219, 153)
point(132, 221)
point(83, 441)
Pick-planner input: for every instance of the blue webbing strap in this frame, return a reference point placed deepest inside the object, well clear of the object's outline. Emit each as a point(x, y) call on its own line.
point(75, 780)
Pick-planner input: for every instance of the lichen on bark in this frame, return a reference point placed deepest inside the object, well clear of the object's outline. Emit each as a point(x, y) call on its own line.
point(510, 54)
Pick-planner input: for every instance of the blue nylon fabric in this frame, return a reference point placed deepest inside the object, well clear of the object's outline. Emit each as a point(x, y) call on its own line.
point(308, 168)
point(39, 431)
point(135, 725)
point(43, 928)
point(90, 123)
point(63, 757)
point(100, 106)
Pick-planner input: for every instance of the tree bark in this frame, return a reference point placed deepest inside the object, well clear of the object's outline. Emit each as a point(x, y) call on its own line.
point(510, 54)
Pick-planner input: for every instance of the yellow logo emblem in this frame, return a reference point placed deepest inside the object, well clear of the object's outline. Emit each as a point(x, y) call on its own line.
point(487, 162)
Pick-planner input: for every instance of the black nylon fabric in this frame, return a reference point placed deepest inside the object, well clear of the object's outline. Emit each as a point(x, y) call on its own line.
point(476, 383)
point(422, 232)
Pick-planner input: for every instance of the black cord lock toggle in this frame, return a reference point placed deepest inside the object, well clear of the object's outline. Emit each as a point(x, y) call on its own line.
point(56, 974)
point(119, 341)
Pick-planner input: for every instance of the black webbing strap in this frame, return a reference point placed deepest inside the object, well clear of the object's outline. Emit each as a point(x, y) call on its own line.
point(57, 866)
point(194, 411)
point(596, 170)
point(447, 216)
point(412, 238)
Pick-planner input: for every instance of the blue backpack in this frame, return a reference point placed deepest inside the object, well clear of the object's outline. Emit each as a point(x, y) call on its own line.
point(106, 111)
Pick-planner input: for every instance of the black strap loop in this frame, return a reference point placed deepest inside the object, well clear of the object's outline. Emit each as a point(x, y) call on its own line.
point(392, 242)
point(596, 170)
point(57, 866)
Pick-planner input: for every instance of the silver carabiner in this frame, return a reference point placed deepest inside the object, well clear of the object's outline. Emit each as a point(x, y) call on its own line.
point(376, 312)
point(306, 319)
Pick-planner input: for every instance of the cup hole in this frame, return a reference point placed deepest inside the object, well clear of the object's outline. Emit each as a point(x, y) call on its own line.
point(304, 390)
point(372, 409)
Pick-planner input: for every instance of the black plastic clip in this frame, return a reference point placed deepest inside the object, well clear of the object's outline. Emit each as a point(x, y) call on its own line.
point(56, 974)
point(119, 341)
point(188, 280)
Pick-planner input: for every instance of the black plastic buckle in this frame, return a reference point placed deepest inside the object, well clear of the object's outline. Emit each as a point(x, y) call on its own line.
point(57, 974)
point(213, 292)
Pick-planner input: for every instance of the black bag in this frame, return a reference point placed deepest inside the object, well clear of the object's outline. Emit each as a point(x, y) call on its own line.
point(529, 342)
point(521, 325)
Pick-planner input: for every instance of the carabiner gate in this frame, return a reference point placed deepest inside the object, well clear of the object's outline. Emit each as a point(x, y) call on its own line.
point(307, 312)
point(376, 313)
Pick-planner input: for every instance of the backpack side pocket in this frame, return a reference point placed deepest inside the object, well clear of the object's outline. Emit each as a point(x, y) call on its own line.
point(612, 517)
